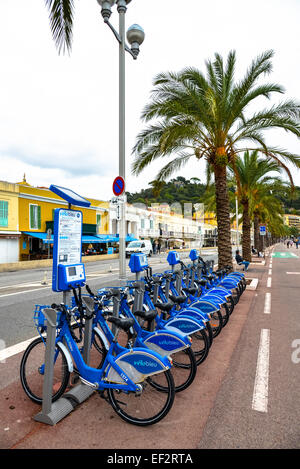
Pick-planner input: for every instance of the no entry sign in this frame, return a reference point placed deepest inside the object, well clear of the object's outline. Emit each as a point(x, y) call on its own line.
point(118, 186)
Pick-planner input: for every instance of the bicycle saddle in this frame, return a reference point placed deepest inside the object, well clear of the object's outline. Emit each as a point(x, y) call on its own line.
point(164, 306)
point(122, 323)
point(191, 291)
point(177, 299)
point(201, 282)
point(146, 315)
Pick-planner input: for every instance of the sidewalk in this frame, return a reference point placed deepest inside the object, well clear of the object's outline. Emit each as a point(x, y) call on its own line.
point(94, 425)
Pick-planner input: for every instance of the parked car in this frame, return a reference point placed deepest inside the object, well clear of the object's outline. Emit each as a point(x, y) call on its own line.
point(143, 246)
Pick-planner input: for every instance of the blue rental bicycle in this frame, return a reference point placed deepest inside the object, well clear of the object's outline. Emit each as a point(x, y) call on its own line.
point(129, 379)
point(163, 341)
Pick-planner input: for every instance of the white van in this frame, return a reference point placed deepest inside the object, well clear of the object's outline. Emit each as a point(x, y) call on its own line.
point(143, 246)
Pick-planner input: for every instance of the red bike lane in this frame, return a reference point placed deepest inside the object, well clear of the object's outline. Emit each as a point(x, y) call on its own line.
point(258, 403)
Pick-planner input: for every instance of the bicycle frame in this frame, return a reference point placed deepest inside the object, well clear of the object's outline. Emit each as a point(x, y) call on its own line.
point(145, 363)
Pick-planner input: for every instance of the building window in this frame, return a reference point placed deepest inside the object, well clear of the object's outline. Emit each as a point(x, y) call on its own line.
point(35, 217)
point(151, 224)
point(3, 213)
point(142, 223)
point(98, 220)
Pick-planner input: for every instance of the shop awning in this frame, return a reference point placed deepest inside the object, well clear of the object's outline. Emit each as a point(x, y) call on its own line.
point(107, 238)
point(90, 239)
point(114, 238)
point(42, 236)
point(130, 238)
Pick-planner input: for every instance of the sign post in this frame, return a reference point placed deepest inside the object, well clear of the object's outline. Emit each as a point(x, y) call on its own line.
point(49, 233)
point(118, 190)
point(262, 232)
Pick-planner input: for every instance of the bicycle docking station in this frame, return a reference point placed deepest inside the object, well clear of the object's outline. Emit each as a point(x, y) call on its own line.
point(67, 272)
point(138, 263)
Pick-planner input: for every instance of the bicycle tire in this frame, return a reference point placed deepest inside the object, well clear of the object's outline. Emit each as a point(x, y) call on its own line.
point(209, 333)
point(216, 323)
point(230, 304)
point(136, 410)
point(31, 376)
point(100, 348)
point(182, 361)
point(200, 337)
point(225, 314)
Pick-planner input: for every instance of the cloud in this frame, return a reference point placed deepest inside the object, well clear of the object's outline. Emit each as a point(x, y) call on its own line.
point(59, 114)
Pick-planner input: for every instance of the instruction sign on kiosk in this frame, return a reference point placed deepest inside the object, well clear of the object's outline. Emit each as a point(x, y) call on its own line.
point(68, 270)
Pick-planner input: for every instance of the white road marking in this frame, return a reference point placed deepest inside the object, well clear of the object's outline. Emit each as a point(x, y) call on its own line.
point(269, 282)
point(261, 384)
point(267, 308)
point(293, 273)
point(14, 349)
point(24, 291)
point(270, 271)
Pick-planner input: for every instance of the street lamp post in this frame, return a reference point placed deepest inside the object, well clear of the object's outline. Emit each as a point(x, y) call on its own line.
point(135, 36)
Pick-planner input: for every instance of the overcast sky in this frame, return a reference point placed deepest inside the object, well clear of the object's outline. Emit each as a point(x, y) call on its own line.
point(59, 114)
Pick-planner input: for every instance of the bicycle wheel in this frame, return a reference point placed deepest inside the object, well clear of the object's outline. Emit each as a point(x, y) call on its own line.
point(209, 333)
point(216, 323)
point(32, 371)
point(99, 347)
point(200, 345)
point(148, 406)
point(230, 304)
point(184, 370)
point(225, 314)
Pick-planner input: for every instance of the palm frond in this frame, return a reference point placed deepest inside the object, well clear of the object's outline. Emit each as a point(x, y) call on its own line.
point(61, 23)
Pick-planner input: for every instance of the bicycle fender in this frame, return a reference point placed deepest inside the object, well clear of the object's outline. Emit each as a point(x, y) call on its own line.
point(218, 300)
point(205, 306)
point(166, 343)
point(67, 355)
point(103, 337)
point(184, 324)
point(194, 313)
point(220, 291)
point(136, 364)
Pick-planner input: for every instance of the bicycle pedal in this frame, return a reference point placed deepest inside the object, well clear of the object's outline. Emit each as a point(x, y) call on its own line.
point(103, 396)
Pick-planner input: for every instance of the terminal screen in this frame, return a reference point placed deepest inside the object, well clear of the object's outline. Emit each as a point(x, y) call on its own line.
point(72, 271)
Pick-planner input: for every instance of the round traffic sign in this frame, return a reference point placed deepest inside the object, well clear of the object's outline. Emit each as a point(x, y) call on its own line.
point(118, 185)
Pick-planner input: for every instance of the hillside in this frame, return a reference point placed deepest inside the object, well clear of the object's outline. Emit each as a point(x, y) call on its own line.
point(192, 191)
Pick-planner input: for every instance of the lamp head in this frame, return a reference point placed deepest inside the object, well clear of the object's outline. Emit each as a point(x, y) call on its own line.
point(135, 36)
point(106, 6)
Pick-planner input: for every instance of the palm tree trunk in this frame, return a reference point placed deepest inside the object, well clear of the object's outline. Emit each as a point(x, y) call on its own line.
point(246, 243)
point(256, 232)
point(223, 217)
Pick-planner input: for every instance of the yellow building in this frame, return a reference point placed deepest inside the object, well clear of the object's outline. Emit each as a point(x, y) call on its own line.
point(36, 221)
point(292, 220)
point(9, 222)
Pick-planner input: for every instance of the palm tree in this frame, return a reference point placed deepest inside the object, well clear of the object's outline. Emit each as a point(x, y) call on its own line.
point(254, 183)
point(206, 117)
point(266, 208)
point(61, 14)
